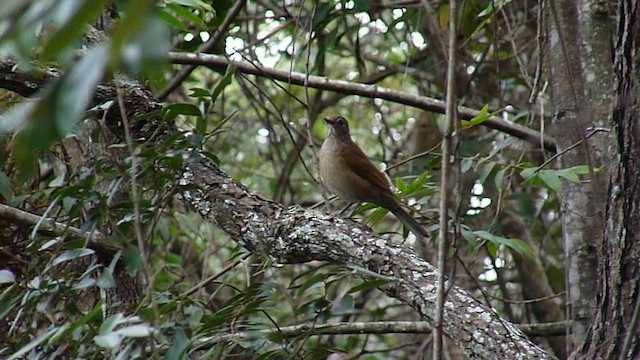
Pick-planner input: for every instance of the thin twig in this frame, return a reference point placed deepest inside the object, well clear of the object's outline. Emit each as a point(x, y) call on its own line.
point(183, 74)
point(215, 276)
point(374, 327)
point(366, 90)
point(135, 194)
point(447, 140)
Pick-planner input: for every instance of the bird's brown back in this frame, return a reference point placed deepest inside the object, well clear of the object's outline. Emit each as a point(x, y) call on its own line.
point(347, 171)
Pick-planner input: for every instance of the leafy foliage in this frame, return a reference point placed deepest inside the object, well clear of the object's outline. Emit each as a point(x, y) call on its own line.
point(64, 162)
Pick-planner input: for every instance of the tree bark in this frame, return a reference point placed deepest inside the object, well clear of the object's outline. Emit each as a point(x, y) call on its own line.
point(615, 333)
point(580, 75)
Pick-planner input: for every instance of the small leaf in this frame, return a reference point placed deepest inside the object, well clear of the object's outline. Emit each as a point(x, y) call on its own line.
point(196, 4)
point(72, 254)
point(402, 185)
point(465, 165)
point(85, 283)
point(71, 31)
point(514, 244)
point(344, 306)
point(371, 284)
point(378, 214)
point(171, 20)
point(5, 185)
point(180, 344)
point(418, 183)
point(110, 323)
point(520, 246)
point(140, 330)
point(33, 344)
point(551, 178)
point(443, 16)
point(580, 169)
point(499, 178)
point(226, 80)
point(315, 280)
point(187, 15)
point(569, 175)
point(6, 276)
point(106, 280)
point(529, 173)
point(108, 341)
point(132, 260)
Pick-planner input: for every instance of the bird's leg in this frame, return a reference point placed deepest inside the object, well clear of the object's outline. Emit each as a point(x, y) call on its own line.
point(349, 205)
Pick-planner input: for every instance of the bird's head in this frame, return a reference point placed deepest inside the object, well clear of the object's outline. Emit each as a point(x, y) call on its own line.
point(338, 126)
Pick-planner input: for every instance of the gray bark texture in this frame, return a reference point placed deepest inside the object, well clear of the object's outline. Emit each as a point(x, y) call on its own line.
point(581, 78)
point(294, 235)
point(615, 333)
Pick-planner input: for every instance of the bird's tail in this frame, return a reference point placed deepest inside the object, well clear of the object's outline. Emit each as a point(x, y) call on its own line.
point(393, 205)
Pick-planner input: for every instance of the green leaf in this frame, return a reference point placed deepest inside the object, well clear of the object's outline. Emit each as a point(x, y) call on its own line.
point(580, 169)
point(482, 116)
point(34, 344)
point(57, 111)
point(7, 303)
point(375, 216)
point(5, 186)
point(184, 109)
point(366, 285)
point(187, 15)
point(106, 280)
point(199, 92)
point(551, 179)
point(6, 276)
point(418, 183)
point(179, 347)
point(67, 35)
point(96, 311)
point(197, 4)
point(172, 20)
point(108, 341)
point(344, 306)
point(132, 260)
point(529, 173)
point(71, 254)
point(520, 246)
point(569, 175)
point(222, 83)
point(514, 244)
point(465, 165)
point(369, 273)
point(315, 280)
point(138, 330)
point(402, 185)
point(499, 178)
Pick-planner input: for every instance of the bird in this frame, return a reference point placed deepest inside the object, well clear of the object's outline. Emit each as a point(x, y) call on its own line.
point(346, 171)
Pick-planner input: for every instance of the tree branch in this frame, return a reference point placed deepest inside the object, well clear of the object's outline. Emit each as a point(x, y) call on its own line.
point(371, 91)
point(18, 216)
point(294, 235)
point(373, 327)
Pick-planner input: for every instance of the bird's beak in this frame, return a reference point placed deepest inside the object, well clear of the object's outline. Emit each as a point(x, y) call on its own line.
point(330, 121)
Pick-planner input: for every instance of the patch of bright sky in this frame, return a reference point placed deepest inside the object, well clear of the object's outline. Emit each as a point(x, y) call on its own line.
point(418, 40)
point(477, 201)
point(490, 274)
point(263, 136)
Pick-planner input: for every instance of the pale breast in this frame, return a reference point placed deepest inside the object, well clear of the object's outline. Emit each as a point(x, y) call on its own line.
point(337, 176)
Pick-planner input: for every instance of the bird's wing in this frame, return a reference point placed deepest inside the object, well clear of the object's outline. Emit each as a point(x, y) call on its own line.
point(358, 162)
